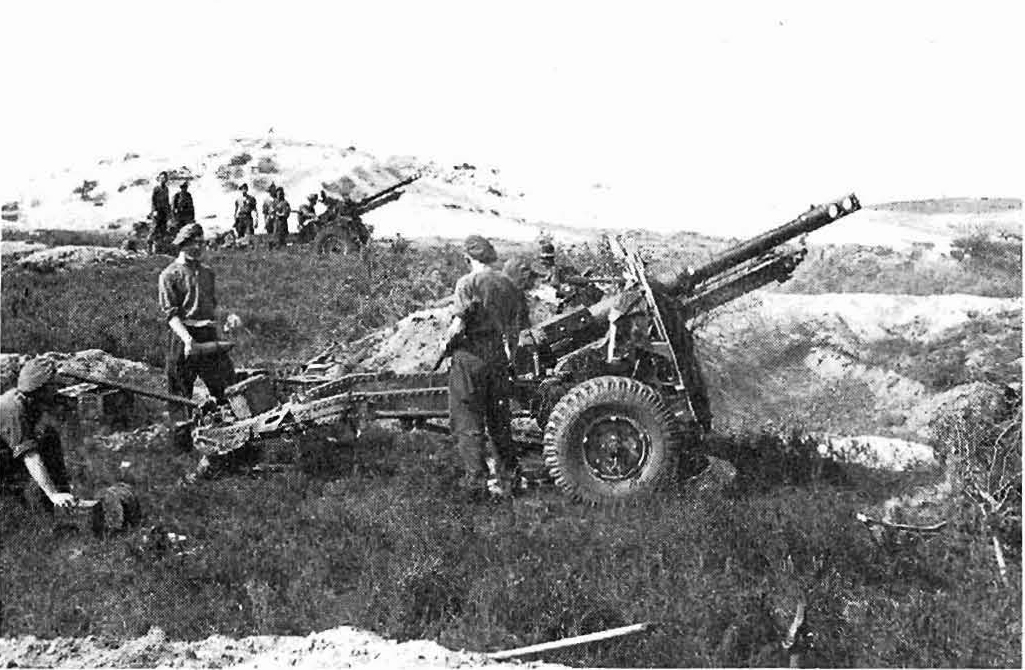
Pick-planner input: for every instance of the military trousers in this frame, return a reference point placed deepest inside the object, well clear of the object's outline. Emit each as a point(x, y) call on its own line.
point(243, 227)
point(479, 391)
point(280, 232)
point(216, 370)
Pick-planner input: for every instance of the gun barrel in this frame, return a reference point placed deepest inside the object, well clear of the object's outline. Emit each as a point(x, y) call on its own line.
point(371, 198)
point(813, 219)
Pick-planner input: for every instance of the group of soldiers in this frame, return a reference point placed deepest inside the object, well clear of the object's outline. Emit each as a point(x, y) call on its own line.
point(169, 214)
point(491, 310)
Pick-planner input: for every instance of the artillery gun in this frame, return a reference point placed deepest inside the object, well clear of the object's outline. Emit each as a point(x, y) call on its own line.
point(340, 229)
point(615, 390)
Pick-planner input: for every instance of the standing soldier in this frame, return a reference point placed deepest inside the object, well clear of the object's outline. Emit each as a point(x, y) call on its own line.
point(268, 204)
point(160, 212)
point(186, 294)
point(482, 338)
point(182, 208)
point(280, 212)
point(245, 208)
point(21, 437)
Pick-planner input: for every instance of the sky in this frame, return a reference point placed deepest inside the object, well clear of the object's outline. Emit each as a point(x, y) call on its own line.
point(754, 105)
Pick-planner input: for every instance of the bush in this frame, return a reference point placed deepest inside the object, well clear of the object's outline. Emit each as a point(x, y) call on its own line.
point(266, 165)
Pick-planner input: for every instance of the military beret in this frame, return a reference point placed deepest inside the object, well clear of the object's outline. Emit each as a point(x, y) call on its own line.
point(36, 374)
point(188, 233)
point(480, 249)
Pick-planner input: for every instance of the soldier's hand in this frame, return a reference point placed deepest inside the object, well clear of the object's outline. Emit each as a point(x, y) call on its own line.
point(62, 500)
point(187, 345)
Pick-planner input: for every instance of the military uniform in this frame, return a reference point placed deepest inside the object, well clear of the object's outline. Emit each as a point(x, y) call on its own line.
point(21, 434)
point(186, 290)
point(183, 209)
point(160, 213)
point(307, 213)
point(479, 384)
point(268, 215)
point(245, 207)
point(280, 212)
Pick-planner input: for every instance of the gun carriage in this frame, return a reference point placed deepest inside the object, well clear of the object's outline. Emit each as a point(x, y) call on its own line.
point(340, 228)
point(614, 392)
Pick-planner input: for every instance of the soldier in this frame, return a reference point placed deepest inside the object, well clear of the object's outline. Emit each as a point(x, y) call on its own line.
point(307, 213)
point(188, 300)
point(482, 338)
point(571, 287)
point(182, 208)
point(22, 439)
point(268, 205)
point(245, 208)
point(523, 276)
point(160, 212)
point(280, 211)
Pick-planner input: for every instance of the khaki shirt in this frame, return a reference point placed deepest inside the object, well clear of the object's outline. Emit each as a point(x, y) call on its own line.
point(245, 206)
point(491, 307)
point(186, 290)
point(17, 429)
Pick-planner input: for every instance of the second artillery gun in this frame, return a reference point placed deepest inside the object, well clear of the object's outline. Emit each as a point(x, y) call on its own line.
point(340, 228)
point(614, 390)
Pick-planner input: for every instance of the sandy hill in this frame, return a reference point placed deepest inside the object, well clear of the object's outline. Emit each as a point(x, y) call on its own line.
point(450, 201)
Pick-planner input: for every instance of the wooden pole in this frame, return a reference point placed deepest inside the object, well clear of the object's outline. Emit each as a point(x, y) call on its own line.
point(570, 642)
point(135, 390)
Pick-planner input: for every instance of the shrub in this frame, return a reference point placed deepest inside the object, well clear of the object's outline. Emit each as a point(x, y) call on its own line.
point(266, 165)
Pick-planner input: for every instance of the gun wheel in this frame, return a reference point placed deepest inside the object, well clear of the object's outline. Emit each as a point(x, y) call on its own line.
point(610, 439)
point(334, 241)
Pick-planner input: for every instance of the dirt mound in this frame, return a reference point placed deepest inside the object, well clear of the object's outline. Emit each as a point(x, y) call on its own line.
point(339, 648)
point(70, 257)
point(90, 362)
point(414, 343)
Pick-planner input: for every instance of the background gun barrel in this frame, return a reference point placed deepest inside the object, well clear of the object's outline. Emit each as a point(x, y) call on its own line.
point(813, 219)
point(405, 182)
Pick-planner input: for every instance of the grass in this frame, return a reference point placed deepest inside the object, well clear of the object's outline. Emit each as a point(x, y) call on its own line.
point(292, 303)
point(376, 535)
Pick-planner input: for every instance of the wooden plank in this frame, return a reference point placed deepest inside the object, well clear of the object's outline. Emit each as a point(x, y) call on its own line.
point(569, 642)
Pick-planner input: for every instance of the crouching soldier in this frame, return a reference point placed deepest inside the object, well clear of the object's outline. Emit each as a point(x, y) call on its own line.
point(27, 449)
point(187, 298)
point(482, 338)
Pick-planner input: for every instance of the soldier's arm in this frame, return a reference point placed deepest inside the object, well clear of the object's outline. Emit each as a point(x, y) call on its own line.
point(170, 304)
point(37, 469)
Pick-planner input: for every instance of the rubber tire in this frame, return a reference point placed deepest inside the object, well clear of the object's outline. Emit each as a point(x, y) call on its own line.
point(330, 236)
point(564, 457)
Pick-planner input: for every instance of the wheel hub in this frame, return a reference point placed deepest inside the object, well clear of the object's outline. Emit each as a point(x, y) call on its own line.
point(615, 447)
